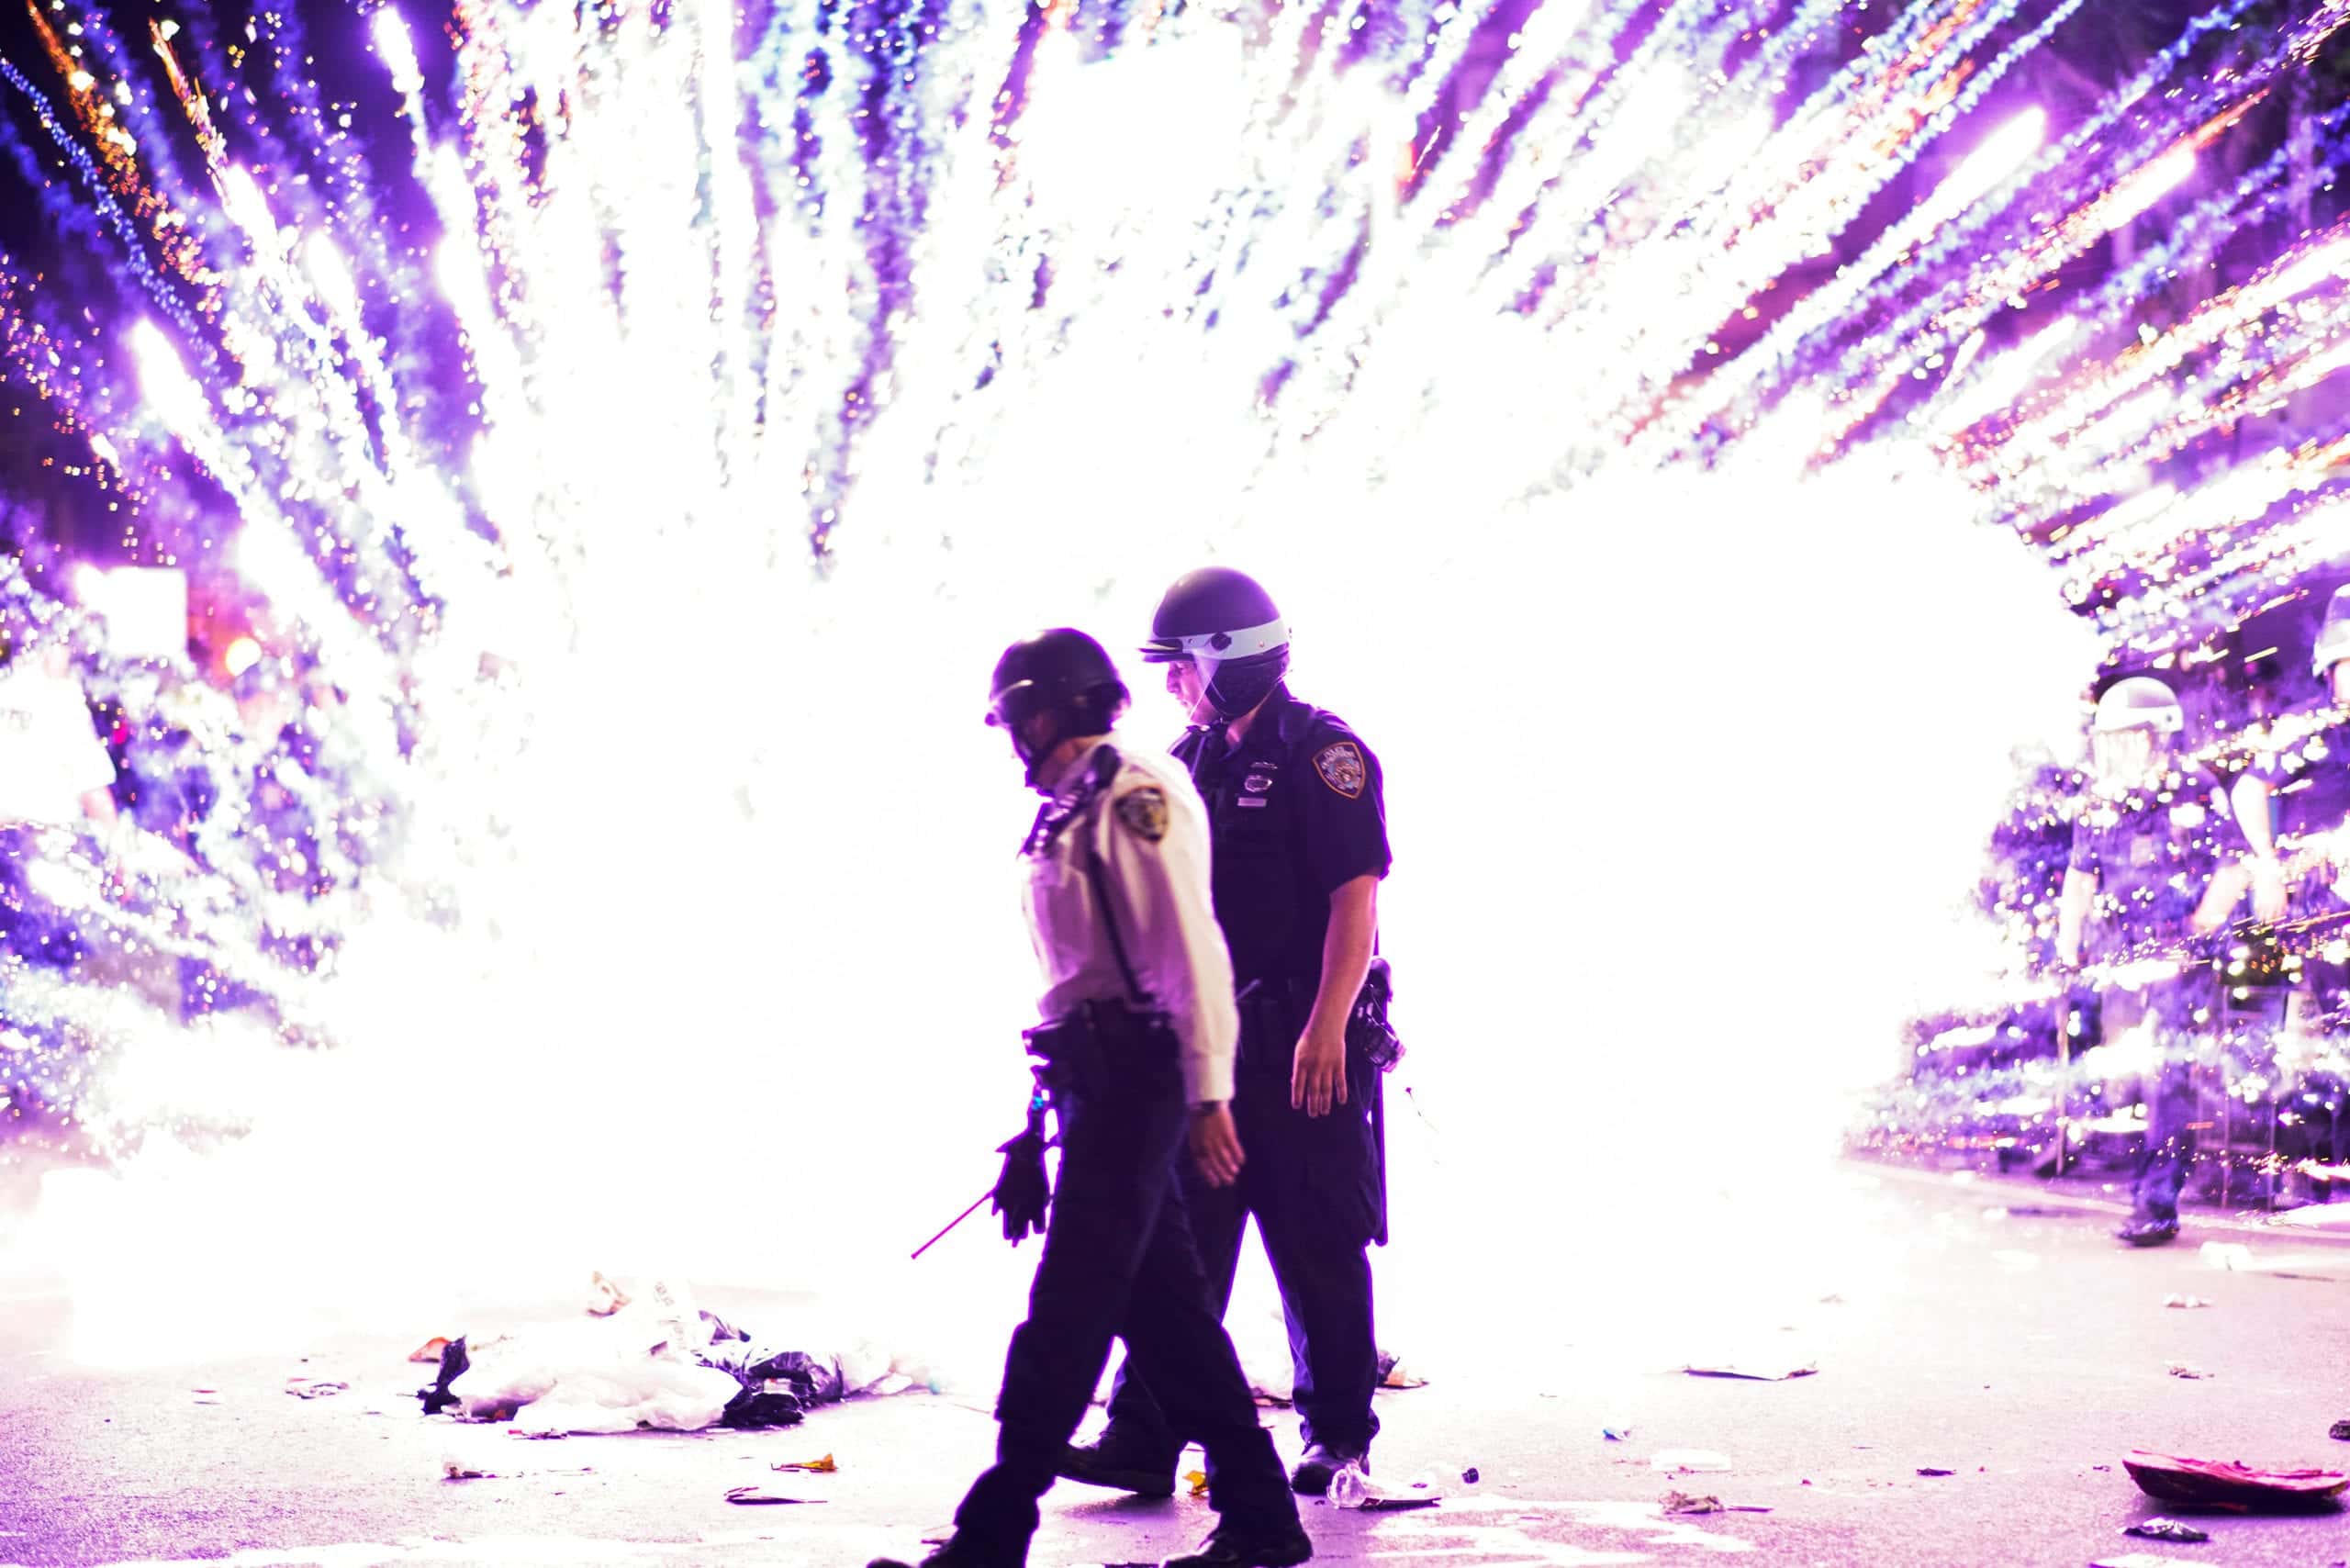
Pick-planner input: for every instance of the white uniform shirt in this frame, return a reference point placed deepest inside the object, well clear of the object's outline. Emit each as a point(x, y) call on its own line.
point(1150, 832)
point(51, 756)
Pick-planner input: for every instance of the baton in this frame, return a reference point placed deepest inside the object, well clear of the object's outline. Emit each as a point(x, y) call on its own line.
point(951, 1224)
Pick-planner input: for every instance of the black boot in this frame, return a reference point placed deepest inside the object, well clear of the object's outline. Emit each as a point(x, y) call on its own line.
point(1123, 1461)
point(1277, 1545)
point(1323, 1461)
point(957, 1552)
point(2146, 1231)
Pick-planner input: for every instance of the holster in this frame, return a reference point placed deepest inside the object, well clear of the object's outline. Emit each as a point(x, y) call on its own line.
point(1082, 1053)
point(1272, 1014)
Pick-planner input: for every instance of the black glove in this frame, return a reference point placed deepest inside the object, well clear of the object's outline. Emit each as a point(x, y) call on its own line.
point(1021, 1193)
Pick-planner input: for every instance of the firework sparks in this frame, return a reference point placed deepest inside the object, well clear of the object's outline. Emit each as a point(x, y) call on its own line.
point(591, 378)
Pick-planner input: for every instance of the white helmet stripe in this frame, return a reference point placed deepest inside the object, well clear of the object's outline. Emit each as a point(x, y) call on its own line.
point(1244, 643)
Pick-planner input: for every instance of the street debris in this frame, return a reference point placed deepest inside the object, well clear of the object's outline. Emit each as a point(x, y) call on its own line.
point(457, 1469)
point(1615, 1434)
point(1756, 1371)
point(1469, 1476)
point(315, 1388)
point(2167, 1530)
point(1198, 1479)
point(2181, 1369)
point(2235, 1257)
point(755, 1496)
point(823, 1466)
point(1393, 1373)
point(2231, 1488)
point(1928, 1470)
point(1688, 1502)
point(644, 1356)
point(2188, 1302)
point(1690, 1461)
point(1350, 1488)
point(2339, 1431)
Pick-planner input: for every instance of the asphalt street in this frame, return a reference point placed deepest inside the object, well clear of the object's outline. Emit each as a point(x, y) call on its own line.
point(2013, 1345)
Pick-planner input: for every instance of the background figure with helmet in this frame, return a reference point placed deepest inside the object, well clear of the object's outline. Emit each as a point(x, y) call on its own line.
point(2293, 803)
point(1296, 810)
point(2148, 836)
point(1136, 1056)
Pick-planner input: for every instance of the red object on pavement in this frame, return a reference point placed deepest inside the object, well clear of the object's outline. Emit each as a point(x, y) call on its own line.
point(2233, 1488)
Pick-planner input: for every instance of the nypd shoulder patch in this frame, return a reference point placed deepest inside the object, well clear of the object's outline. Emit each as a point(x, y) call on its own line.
point(1143, 812)
point(1341, 766)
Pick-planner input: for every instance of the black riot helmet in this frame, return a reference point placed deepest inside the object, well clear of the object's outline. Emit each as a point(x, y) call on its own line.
point(1228, 624)
point(1062, 672)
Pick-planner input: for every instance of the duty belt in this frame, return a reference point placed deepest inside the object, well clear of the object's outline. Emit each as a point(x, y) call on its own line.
point(1073, 1050)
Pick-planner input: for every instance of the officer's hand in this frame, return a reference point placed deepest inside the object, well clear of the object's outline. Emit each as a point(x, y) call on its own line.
point(1215, 1146)
point(1021, 1193)
point(1319, 1073)
point(2267, 889)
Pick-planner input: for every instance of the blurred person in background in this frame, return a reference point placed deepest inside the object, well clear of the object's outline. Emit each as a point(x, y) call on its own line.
point(2293, 803)
point(2148, 838)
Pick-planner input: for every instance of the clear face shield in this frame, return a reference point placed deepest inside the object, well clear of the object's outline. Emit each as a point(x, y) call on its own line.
point(2127, 758)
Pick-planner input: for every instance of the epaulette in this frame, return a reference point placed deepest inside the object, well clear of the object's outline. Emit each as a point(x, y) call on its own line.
point(1302, 719)
point(1056, 814)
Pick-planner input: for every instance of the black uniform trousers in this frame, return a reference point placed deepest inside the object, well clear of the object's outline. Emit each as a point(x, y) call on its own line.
point(1119, 1258)
point(1311, 1184)
point(2171, 1102)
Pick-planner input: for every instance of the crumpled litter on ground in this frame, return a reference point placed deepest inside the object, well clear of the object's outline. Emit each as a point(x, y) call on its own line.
point(2181, 1369)
point(1756, 1371)
point(823, 1466)
point(1928, 1470)
point(751, 1496)
point(315, 1387)
point(2339, 1431)
point(2167, 1530)
point(644, 1356)
point(2187, 1302)
point(1688, 1502)
point(1198, 1481)
point(2232, 1487)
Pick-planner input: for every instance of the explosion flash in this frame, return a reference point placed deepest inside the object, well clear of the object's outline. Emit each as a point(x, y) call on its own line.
point(629, 432)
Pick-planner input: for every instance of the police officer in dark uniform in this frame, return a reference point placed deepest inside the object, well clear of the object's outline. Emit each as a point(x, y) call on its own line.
point(2148, 839)
point(2294, 803)
point(1136, 1056)
point(1297, 812)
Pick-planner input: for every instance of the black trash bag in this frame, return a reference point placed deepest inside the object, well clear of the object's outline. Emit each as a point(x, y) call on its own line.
point(779, 1387)
point(453, 1362)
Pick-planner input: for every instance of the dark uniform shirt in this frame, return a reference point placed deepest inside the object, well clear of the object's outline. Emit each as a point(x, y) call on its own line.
point(2309, 781)
point(2152, 852)
point(2308, 794)
point(1297, 812)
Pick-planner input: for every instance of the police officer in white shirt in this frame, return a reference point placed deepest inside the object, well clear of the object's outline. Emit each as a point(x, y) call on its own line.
point(1136, 1056)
